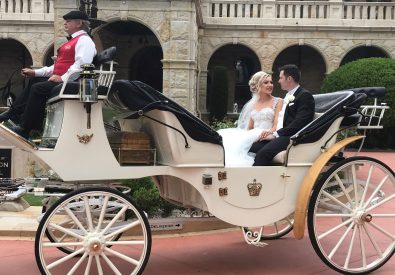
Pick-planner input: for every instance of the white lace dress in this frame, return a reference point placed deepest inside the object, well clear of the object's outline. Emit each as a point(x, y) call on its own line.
point(237, 142)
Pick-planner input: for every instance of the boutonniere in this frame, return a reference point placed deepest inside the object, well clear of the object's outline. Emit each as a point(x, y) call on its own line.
point(289, 98)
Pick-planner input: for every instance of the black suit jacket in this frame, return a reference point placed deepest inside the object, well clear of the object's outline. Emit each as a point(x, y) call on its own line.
point(298, 113)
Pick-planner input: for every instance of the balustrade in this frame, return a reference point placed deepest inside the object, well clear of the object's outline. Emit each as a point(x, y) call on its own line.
point(332, 9)
point(18, 9)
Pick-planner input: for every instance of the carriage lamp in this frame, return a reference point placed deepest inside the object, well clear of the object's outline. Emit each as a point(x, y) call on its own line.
point(88, 89)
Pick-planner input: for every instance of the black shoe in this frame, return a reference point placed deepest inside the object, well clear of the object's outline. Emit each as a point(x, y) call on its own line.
point(9, 114)
point(20, 131)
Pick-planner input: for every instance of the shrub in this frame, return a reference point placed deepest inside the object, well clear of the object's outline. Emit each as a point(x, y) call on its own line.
point(222, 124)
point(369, 72)
point(146, 196)
point(219, 94)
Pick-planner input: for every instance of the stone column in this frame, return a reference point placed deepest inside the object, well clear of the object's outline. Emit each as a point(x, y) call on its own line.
point(335, 9)
point(179, 63)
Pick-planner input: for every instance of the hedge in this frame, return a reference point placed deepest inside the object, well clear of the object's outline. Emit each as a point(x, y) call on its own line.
point(369, 72)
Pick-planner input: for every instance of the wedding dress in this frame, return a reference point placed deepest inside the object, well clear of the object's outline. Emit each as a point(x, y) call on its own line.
point(237, 141)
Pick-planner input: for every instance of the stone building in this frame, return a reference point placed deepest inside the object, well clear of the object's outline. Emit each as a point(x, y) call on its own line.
point(173, 45)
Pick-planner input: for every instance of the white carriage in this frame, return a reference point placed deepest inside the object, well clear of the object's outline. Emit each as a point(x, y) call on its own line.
point(349, 202)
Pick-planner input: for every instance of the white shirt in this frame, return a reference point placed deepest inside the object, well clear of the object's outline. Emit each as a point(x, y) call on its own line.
point(280, 120)
point(85, 50)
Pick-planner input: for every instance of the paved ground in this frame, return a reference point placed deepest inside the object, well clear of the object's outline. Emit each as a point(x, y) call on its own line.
point(214, 252)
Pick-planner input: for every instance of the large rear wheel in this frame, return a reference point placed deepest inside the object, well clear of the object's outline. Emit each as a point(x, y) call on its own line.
point(351, 218)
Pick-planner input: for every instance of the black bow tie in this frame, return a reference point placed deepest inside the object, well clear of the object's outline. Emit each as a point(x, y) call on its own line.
point(69, 37)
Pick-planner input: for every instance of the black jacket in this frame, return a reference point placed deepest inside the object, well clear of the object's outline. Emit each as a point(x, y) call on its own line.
point(298, 113)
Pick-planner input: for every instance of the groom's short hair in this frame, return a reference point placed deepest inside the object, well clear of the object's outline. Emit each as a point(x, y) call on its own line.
point(291, 70)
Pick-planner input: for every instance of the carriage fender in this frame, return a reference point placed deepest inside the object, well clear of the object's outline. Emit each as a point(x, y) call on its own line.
point(309, 180)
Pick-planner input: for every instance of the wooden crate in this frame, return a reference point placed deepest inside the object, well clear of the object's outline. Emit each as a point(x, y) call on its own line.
point(132, 148)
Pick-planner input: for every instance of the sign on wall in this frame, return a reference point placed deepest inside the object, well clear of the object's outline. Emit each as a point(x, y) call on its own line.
point(5, 162)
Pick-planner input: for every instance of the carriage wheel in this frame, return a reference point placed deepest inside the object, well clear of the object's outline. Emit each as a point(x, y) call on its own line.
point(276, 230)
point(55, 235)
point(351, 217)
point(98, 215)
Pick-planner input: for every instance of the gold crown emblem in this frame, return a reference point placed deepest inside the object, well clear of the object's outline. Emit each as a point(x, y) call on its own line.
point(84, 139)
point(254, 188)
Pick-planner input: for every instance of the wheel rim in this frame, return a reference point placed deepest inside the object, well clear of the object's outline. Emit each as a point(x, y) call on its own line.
point(351, 222)
point(112, 236)
point(275, 230)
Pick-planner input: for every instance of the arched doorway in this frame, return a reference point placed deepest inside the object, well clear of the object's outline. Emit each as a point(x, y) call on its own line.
point(241, 63)
point(48, 57)
point(310, 62)
point(14, 56)
point(139, 53)
point(363, 52)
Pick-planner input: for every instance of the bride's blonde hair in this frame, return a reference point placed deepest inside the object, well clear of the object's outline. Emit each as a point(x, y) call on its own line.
point(256, 79)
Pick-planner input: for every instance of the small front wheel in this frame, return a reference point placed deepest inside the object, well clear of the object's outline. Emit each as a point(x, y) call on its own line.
point(351, 217)
point(104, 227)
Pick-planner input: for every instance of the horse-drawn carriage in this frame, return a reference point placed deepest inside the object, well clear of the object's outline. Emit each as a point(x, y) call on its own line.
point(349, 202)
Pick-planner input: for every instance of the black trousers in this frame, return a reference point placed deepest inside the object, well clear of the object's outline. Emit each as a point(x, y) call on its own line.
point(267, 150)
point(18, 106)
point(34, 112)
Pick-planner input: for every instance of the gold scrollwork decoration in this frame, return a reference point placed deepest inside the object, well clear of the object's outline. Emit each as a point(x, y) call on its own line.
point(254, 188)
point(84, 138)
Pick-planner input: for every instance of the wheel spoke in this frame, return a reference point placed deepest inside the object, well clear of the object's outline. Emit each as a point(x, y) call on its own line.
point(340, 241)
point(57, 244)
point(65, 230)
point(382, 230)
point(110, 264)
point(339, 181)
point(354, 180)
point(375, 191)
point(125, 242)
point(351, 246)
point(366, 185)
point(88, 265)
point(122, 229)
point(77, 265)
point(332, 215)
point(117, 216)
point(122, 256)
point(102, 213)
point(88, 213)
point(373, 241)
point(362, 244)
point(336, 200)
point(98, 264)
point(64, 259)
point(381, 202)
point(334, 229)
point(75, 220)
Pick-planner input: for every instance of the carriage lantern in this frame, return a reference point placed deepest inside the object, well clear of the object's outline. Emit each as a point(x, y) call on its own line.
point(88, 89)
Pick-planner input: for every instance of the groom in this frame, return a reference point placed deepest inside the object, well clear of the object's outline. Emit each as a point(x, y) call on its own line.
point(297, 112)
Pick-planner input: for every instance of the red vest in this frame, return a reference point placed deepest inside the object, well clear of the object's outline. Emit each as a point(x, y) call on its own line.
point(66, 56)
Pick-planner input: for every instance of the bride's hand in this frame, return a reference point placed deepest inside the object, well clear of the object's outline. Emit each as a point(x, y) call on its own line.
point(265, 134)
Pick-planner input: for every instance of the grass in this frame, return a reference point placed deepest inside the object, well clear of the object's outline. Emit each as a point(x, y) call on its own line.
point(33, 200)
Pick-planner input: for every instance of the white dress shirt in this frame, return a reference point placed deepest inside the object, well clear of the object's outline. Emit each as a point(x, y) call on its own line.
point(280, 120)
point(85, 50)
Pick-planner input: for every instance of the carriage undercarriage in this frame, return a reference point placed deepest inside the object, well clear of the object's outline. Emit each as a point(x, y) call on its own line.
point(349, 203)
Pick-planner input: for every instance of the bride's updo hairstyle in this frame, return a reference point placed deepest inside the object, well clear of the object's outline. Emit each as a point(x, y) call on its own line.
point(255, 79)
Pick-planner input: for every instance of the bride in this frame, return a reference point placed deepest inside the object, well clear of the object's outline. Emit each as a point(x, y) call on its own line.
point(257, 119)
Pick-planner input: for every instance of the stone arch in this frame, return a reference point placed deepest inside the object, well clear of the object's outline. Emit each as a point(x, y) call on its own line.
point(48, 56)
point(14, 57)
point(363, 51)
point(132, 40)
point(241, 63)
point(146, 66)
point(310, 61)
